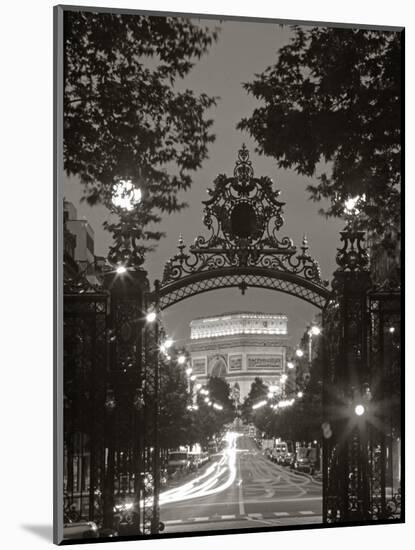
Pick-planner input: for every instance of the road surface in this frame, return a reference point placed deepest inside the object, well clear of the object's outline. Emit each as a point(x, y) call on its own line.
point(241, 488)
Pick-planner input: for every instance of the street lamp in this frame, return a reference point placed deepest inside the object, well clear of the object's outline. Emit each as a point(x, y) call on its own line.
point(359, 410)
point(351, 204)
point(181, 359)
point(125, 195)
point(151, 316)
point(168, 343)
point(121, 269)
point(290, 365)
point(300, 394)
point(314, 331)
point(299, 352)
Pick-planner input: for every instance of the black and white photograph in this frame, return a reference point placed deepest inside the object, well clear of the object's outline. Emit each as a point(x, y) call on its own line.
point(228, 206)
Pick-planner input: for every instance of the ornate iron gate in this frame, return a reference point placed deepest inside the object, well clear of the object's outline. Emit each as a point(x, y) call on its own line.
point(385, 435)
point(112, 362)
point(85, 382)
point(361, 475)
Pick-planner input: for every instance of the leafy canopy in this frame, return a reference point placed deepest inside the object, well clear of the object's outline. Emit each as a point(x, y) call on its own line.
point(124, 117)
point(334, 96)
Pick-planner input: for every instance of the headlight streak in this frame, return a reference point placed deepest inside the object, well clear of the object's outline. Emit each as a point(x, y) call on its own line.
point(213, 484)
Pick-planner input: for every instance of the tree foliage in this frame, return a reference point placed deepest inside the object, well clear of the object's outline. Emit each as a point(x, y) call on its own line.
point(123, 115)
point(258, 392)
point(174, 416)
point(334, 96)
point(209, 422)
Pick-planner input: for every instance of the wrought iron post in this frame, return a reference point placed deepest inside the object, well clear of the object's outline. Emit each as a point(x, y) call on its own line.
point(127, 291)
point(155, 523)
point(346, 487)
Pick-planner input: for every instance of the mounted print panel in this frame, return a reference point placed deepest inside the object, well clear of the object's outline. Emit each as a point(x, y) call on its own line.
point(229, 352)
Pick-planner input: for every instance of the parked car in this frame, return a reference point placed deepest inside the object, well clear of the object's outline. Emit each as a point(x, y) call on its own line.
point(178, 460)
point(305, 460)
point(212, 447)
point(287, 459)
point(302, 464)
point(268, 453)
point(279, 451)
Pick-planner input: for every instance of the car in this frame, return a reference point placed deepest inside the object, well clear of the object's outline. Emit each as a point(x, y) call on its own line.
point(268, 453)
point(279, 451)
point(80, 530)
point(178, 460)
point(306, 460)
point(286, 459)
point(212, 447)
point(302, 464)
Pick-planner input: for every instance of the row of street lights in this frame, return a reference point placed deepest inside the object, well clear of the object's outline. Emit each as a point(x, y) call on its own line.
point(314, 330)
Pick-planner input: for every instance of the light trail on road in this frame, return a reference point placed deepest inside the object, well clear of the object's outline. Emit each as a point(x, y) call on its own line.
point(210, 482)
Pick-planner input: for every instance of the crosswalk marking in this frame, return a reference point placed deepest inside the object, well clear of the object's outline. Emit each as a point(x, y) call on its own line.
point(253, 516)
point(173, 521)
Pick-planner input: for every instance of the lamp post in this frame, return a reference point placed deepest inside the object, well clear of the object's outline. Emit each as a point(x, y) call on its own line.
point(129, 320)
point(155, 519)
point(314, 331)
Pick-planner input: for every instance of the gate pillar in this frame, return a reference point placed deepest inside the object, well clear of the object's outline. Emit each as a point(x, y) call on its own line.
point(347, 393)
point(123, 415)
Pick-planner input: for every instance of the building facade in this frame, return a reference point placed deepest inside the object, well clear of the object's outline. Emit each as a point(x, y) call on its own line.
point(239, 347)
point(79, 247)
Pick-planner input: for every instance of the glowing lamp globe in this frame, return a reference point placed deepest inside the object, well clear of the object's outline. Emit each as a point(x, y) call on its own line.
point(151, 316)
point(125, 195)
point(168, 343)
point(359, 410)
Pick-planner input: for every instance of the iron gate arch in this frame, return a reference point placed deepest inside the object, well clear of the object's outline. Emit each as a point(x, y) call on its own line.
point(242, 278)
point(244, 217)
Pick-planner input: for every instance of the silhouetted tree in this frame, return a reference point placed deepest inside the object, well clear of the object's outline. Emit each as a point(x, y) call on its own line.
point(258, 392)
point(124, 116)
point(334, 96)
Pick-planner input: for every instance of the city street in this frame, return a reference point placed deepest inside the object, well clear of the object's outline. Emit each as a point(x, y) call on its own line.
point(241, 488)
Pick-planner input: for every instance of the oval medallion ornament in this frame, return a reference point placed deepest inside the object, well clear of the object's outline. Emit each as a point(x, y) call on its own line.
point(243, 220)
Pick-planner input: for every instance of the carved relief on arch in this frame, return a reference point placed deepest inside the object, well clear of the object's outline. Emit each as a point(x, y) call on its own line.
point(217, 366)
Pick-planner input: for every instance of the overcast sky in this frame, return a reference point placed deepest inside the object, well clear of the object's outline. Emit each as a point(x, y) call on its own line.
point(242, 50)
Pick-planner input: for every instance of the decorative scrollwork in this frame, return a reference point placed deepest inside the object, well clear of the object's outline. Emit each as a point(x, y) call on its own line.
point(244, 216)
point(352, 256)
